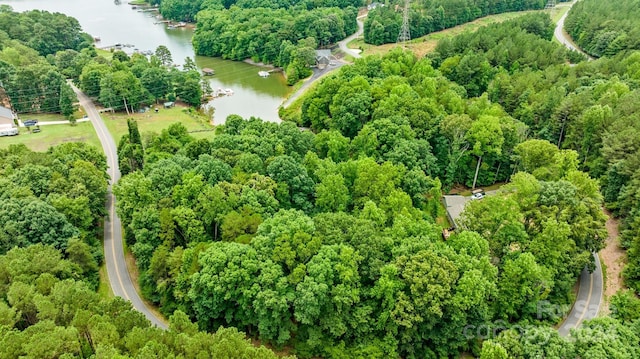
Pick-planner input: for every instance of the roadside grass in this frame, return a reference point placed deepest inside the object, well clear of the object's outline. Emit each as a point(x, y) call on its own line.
point(442, 220)
point(151, 121)
point(132, 268)
point(42, 117)
point(557, 12)
point(104, 288)
point(426, 44)
point(294, 110)
point(605, 299)
point(52, 135)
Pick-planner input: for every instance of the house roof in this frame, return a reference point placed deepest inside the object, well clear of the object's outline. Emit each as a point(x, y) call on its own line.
point(6, 116)
point(323, 53)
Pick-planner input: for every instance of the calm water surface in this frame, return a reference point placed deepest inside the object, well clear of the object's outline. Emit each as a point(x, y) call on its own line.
point(112, 23)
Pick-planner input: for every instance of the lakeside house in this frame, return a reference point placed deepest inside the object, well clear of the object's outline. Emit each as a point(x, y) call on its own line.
point(7, 122)
point(323, 58)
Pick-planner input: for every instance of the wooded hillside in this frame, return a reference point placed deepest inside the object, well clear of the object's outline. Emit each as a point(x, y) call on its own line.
point(605, 28)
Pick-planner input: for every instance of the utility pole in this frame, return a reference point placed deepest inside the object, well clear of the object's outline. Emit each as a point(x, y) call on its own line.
point(404, 34)
point(125, 105)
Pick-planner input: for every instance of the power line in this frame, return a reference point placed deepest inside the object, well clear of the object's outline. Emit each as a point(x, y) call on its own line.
point(404, 34)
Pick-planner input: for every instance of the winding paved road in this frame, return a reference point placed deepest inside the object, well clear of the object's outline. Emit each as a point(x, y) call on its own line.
point(119, 278)
point(317, 73)
point(564, 38)
point(589, 298)
point(343, 44)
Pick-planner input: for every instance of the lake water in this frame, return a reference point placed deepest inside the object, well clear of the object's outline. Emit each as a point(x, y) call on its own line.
point(112, 23)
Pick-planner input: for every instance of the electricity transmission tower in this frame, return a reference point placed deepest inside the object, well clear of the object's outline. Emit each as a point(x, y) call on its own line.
point(404, 34)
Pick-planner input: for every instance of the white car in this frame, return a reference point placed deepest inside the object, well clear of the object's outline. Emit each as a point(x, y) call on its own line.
point(477, 196)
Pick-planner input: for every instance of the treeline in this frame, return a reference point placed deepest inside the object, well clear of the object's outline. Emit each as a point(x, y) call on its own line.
point(441, 113)
point(384, 21)
point(49, 310)
point(138, 80)
point(45, 32)
point(473, 59)
point(186, 10)
point(605, 28)
point(54, 198)
point(600, 338)
point(331, 242)
point(34, 83)
point(284, 37)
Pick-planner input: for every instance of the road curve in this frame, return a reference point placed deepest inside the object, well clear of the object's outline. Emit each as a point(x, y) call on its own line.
point(343, 44)
point(119, 278)
point(317, 73)
point(564, 38)
point(589, 298)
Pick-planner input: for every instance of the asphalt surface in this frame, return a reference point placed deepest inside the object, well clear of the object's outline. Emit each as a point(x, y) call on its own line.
point(564, 38)
point(589, 298)
point(119, 277)
point(317, 73)
point(343, 44)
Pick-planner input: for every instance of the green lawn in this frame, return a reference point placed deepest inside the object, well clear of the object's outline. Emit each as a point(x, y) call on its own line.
point(426, 44)
point(52, 135)
point(156, 122)
point(42, 117)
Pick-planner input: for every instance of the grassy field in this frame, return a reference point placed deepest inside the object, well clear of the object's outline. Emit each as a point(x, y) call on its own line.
point(51, 135)
point(426, 44)
point(156, 122)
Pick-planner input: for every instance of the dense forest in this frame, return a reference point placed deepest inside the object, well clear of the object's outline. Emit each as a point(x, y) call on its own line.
point(54, 198)
point(34, 84)
point(48, 310)
point(383, 21)
point(330, 241)
point(604, 28)
point(51, 208)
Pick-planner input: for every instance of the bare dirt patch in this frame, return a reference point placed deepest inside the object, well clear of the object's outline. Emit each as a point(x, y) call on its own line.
point(614, 258)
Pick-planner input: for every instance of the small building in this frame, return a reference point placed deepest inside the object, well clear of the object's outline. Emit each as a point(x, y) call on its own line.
point(374, 5)
point(323, 58)
point(7, 122)
point(207, 71)
point(169, 104)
